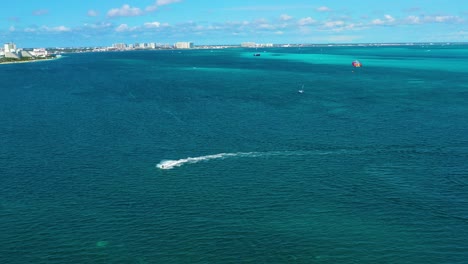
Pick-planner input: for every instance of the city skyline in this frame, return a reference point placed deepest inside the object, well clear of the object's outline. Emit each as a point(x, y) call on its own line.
point(51, 23)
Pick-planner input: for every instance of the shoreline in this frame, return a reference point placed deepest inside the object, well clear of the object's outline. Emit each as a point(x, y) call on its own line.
point(28, 61)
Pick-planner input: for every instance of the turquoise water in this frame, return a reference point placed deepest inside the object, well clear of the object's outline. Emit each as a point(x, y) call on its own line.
point(212, 156)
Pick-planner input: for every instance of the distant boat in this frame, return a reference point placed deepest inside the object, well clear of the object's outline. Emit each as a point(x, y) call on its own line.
point(301, 90)
point(256, 54)
point(356, 64)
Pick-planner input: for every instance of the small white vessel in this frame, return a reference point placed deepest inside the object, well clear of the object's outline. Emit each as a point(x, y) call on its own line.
point(301, 90)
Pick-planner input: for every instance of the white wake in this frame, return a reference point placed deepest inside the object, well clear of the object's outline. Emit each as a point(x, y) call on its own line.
point(170, 164)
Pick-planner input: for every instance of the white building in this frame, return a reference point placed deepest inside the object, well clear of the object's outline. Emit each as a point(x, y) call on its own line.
point(184, 45)
point(9, 47)
point(248, 44)
point(25, 54)
point(39, 52)
point(12, 55)
point(256, 45)
point(139, 45)
point(119, 46)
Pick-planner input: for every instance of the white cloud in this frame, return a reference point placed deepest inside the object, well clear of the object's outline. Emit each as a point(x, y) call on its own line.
point(213, 27)
point(159, 3)
point(63, 28)
point(413, 20)
point(125, 28)
point(59, 29)
point(285, 17)
point(166, 2)
point(323, 9)
point(263, 24)
point(334, 24)
point(266, 26)
point(49, 29)
point(151, 8)
point(125, 11)
point(99, 25)
point(444, 19)
point(92, 13)
point(152, 24)
point(388, 19)
point(340, 25)
point(377, 22)
point(121, 28)
point(306, 21)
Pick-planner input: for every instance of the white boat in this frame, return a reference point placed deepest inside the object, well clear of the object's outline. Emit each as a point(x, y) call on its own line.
point(301, 90)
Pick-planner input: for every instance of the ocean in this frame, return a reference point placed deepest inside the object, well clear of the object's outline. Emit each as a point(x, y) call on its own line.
point(216, 156)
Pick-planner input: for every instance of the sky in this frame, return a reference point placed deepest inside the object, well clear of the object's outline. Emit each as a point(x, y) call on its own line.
point(89, 23)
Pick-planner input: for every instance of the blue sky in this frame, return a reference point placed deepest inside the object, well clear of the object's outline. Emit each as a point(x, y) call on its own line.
point(73, 23)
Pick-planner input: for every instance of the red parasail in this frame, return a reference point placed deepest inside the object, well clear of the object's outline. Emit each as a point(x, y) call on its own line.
point(356, 64)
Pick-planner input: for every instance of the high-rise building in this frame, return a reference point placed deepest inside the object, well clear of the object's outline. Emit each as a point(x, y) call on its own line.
point(184, 45)
point(119, 46)
point(9, 47)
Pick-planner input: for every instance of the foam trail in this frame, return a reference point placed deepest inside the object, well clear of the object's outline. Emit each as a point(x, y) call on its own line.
point(170, 164)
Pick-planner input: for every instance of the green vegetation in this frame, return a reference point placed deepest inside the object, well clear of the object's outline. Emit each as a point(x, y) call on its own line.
point(24, 59)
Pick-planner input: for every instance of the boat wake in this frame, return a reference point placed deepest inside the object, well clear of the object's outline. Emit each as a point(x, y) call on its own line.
point(170, 164)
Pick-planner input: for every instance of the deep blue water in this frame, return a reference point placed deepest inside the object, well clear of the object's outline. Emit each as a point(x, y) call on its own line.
point(367, 165)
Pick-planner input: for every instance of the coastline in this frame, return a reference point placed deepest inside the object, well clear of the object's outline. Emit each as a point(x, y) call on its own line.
point(29, 61)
